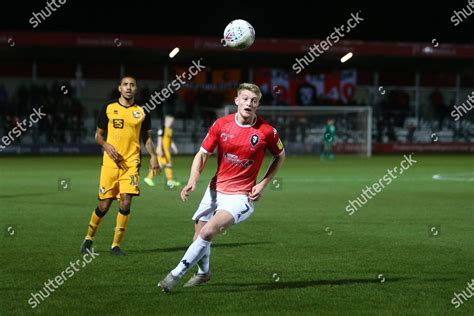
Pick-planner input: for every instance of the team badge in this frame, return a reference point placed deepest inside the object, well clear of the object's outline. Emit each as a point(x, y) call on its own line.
point(101, 190)
point(136, 114)
point(254, 140)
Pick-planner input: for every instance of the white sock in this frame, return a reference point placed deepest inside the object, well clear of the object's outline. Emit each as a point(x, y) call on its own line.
point(203, 264)
point(194, 253)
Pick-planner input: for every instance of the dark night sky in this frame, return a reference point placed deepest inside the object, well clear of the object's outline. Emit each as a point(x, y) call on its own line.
point(383, 20)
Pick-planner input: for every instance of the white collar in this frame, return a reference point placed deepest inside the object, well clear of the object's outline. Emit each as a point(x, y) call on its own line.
point(238, 124)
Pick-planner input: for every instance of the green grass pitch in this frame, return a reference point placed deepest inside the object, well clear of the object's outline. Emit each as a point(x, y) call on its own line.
point(300, 252)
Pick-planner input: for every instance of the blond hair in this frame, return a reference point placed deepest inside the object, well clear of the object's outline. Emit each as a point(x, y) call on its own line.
point(250, 87)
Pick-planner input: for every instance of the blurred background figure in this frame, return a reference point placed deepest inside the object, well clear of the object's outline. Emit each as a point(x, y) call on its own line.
point(164, 147)
point(329, 136)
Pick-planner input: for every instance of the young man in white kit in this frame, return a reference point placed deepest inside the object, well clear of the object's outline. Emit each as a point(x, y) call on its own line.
point(241, 139)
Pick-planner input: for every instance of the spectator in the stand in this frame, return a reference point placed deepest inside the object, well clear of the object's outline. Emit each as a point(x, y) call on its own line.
point(439, 108)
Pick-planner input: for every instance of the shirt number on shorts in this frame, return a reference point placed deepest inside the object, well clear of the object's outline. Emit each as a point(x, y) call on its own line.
point(134, 179)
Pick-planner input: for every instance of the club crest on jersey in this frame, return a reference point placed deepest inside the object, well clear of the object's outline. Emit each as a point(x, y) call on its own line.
point(101, 190)
point(136, 114)
point(254, 140)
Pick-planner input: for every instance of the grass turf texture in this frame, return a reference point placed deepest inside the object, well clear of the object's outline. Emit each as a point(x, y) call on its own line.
point(300, 252)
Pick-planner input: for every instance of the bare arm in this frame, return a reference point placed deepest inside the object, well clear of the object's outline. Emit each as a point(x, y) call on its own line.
point(197, 167)
point(272, 170)
point(174, 148)
point(109, 149)
point(150, 148)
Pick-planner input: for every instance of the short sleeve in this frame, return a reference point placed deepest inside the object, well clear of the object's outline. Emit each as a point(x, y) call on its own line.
point(146, 124)
point(274, 143)
point(102, 119)
point(210, 142)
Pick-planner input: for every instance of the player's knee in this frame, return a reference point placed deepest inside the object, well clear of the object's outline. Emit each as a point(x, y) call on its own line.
point(208, 232)
point(103, 206)
point(100, 212)
point(125, 203)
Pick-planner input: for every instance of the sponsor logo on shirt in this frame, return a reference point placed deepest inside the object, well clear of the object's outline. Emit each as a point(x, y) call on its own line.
point(234, 159)
point(118, 123)
point(226, 136)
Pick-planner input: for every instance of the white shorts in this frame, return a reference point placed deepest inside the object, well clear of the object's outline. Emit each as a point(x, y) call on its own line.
point(239, 205)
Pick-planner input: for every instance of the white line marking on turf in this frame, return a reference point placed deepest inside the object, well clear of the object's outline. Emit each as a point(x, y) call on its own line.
point(461, 177)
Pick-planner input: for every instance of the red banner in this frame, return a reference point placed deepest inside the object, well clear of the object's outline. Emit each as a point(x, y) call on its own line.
point(280, 87)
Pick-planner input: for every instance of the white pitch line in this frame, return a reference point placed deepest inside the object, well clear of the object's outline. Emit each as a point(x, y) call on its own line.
point(451, 178)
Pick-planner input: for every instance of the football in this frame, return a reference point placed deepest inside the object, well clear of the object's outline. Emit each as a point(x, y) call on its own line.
point(239, 35)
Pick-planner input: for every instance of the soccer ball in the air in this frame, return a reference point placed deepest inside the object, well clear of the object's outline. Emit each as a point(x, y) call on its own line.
point(238, 34)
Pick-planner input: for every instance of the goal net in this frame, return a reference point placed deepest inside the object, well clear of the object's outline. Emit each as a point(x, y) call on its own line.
point(302, 128)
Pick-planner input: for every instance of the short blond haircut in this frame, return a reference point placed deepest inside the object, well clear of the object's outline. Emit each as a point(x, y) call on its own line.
point(251, 87)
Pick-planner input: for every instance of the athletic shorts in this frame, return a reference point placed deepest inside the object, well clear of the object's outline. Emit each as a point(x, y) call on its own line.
point(239, 205)
point(115, 181)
